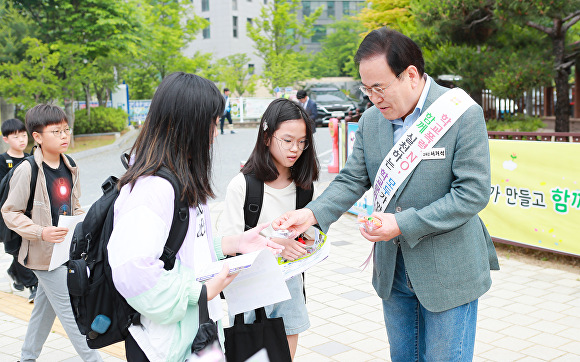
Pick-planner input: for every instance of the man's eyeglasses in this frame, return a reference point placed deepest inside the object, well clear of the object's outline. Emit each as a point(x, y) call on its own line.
point(59, 132)
point(380, 91)
point(288, 144)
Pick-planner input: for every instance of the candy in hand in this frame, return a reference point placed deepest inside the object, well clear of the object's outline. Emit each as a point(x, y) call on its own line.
point(370, 223)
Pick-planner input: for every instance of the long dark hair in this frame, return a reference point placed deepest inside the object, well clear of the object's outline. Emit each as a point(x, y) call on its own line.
point(305, 169)
point(178, 134)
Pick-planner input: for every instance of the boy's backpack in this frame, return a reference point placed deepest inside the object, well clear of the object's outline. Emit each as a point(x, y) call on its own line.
point(101, 313)
point(10, 238)
point(255, 197)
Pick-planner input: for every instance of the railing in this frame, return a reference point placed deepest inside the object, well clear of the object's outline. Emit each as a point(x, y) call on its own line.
point(535, 136)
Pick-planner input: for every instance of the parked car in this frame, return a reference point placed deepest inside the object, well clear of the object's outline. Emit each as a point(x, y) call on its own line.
point(331, 102)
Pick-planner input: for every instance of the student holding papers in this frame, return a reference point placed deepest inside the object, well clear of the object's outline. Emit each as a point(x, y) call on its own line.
point(178, 134)
point(283, 159)
point(423, 149)
point(57, 193)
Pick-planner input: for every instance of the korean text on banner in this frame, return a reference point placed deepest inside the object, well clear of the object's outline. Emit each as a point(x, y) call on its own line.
point(535, 194)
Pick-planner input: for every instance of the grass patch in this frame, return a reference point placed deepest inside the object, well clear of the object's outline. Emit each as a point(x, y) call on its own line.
point(539, 257)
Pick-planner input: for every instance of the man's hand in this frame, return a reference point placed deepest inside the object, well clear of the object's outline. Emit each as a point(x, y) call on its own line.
point(54, 234)
point(297, 221)
point(387, 231)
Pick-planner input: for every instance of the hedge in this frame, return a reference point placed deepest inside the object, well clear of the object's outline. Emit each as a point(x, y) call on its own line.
point(102, 120)
point(515, 123)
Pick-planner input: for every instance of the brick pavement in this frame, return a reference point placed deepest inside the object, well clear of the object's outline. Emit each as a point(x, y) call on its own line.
point(531, 313)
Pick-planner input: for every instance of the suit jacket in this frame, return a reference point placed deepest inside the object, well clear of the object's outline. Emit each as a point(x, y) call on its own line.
point(311, 109)
point(447, 250)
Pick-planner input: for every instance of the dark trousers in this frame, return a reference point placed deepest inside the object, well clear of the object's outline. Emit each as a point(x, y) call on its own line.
point(23, 275)
point(228, 115)
point(133, 352)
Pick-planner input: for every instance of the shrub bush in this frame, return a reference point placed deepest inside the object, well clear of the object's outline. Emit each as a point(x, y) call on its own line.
point(515, 123)
point(102, 120)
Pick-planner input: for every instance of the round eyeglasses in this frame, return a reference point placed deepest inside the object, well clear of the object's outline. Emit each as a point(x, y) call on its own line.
point(380, 91)
point(58, 132)
point(288, 144)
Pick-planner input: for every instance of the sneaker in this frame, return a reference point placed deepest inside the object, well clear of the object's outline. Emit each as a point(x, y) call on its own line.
point(32, 294)
point(16, 285)
point(233, 132)
point(222, 132)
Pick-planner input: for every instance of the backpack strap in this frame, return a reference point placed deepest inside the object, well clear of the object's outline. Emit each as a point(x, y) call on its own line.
point(253, 201)
point(70, 160)
point(179, 224)
point(33, 179)
point(303, 197)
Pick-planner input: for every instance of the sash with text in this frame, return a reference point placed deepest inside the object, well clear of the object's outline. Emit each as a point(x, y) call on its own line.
point(417, 143)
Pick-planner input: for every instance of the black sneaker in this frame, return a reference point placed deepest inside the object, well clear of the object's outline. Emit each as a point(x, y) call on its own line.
point(16, 285)
point(32, 294)
point(232, 132)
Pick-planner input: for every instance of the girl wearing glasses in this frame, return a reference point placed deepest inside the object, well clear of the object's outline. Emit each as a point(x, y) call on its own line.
point(283, 158)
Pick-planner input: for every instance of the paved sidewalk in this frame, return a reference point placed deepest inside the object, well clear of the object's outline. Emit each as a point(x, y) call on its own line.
point(531, 313)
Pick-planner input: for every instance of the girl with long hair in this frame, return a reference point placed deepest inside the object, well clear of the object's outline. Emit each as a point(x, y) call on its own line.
point(284, 158)
point(177, 135)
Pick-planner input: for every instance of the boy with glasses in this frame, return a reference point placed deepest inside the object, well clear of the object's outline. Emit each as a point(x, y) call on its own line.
point(57, 193)
point(14, 134)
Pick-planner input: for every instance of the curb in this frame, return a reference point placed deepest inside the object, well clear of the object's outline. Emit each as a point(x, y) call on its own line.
point(120, 143)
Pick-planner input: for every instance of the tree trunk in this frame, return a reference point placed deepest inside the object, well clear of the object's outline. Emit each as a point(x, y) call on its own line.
point(88, 100)
point(7, 110)
point(529, 103)
point(562, 107)
point(477, 96)
point(70, 114)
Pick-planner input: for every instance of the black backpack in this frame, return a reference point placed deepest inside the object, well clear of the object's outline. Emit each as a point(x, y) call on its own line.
point(101, 313)
point(10, 238)
point(253, 205)
point(255, 197)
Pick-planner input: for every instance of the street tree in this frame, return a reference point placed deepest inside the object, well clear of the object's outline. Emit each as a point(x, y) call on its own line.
point(14, 27)
point(277, 34)
point(554, 19)
point(88, 29)
point(395, 14)
point(167, 29)
point(336, 59)
point(33, 79)
point(236, 75)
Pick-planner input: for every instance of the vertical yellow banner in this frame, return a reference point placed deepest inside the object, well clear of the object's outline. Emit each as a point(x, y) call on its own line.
point(535, 194)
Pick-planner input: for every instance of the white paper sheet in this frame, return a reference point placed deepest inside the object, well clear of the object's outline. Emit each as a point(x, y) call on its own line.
point(261, 284)
point(60, 251)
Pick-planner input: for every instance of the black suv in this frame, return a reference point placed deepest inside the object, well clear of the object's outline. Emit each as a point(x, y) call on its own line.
point(331, 102)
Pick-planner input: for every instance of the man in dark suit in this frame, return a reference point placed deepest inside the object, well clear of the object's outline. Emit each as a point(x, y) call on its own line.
point(432, 254)
point(309, 106)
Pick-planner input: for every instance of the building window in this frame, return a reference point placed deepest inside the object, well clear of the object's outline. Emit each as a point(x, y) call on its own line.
point(249, 22)
point(351, 7)
point(234, 4)
point(205, 31)
point(265, 2)
point(235, 26)
point(306, 8)
point(204, 5)
point(330, 9)
point(251, 69)
point(319, 34)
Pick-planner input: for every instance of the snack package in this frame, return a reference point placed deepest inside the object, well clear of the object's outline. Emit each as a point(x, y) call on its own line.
point(368, 222)
point(283, 234)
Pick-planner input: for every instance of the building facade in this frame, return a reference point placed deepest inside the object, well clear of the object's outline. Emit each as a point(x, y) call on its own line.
point(227, 33)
